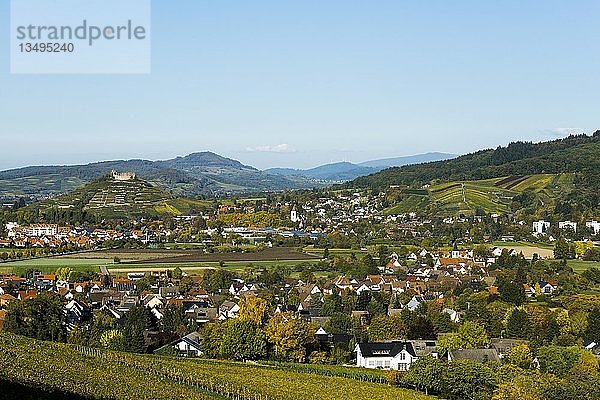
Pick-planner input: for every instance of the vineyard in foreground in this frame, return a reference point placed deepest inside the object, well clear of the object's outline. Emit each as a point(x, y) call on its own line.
point(94, 374)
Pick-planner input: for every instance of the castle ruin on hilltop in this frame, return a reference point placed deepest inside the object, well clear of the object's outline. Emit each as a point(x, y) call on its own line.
point(122, 176)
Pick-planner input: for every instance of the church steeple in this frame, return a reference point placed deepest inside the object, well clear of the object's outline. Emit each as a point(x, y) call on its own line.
point(455, 251)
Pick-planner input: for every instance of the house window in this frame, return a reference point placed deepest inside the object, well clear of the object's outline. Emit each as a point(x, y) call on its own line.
point(402, 356)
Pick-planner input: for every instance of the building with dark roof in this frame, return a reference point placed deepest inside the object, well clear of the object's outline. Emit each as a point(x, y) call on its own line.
point(388, 355)
point(479, 355)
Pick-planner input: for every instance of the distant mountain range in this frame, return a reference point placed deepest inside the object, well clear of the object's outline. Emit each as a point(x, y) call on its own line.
point(197, 174)
point(346, 171)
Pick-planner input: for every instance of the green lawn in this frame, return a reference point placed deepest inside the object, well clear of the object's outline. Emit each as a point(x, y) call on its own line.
point(48, 265)
point(580, 265)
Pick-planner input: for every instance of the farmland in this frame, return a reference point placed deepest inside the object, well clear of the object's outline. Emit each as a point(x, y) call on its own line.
point(67, 369)
point(136, 260)
point(269, 254)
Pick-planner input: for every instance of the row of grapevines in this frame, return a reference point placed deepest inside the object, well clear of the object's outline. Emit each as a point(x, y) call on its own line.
point(95, 374)
point(270, 382)
point(359, 374)
point(55, 367)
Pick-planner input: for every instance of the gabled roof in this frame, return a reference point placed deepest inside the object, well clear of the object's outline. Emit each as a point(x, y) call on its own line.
point(549, 282)
point(502, 345)
point(592, 345)
point(479, 355)
point(27, 294)
point(389, 349)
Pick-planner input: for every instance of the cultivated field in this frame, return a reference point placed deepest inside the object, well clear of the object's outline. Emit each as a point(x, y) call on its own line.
point(529, 251)
point(145, 260)
point(270, 254)
point(99, 375)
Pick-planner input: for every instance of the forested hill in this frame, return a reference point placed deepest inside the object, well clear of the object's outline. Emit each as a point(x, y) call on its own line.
point(578, 154)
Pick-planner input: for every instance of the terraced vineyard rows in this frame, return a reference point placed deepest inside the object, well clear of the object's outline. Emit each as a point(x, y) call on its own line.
point(491, 195)
point(122, 199)
point(96, 374)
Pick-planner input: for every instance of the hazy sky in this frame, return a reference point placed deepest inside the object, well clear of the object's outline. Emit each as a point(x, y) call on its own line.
point(299, 83)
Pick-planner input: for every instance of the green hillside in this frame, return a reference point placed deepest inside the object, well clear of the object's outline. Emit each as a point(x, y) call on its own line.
point(577, 154)
point(109, 198)
point(93, 374)
point(196, 174)
point(565, 171)
point(496, 195)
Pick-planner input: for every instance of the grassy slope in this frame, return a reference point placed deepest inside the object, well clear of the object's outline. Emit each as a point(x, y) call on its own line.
point(574, 154)
point(120, 376)
point(56, 367)
point(453, 198)
point(41, 185)
point(123, 199)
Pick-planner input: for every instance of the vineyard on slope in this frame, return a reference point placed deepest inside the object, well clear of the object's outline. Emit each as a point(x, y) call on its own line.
point(95, 374)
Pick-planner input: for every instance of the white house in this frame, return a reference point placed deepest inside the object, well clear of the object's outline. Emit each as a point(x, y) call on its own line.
point(392, 355)
point(238, 286)
point(593, 225)
point(413, 303)
point(228, 310)
point(540, 227)
point(548, 286)
point(394, 263)
point(153, 301)
point(568, 225)
point(39, 230)
point(497, 251)
point(74, 314)
point(453, 314)
point(189, 345)
point(294, 217)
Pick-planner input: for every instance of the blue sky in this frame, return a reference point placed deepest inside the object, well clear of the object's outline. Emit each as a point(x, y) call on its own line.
point(300, 83)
